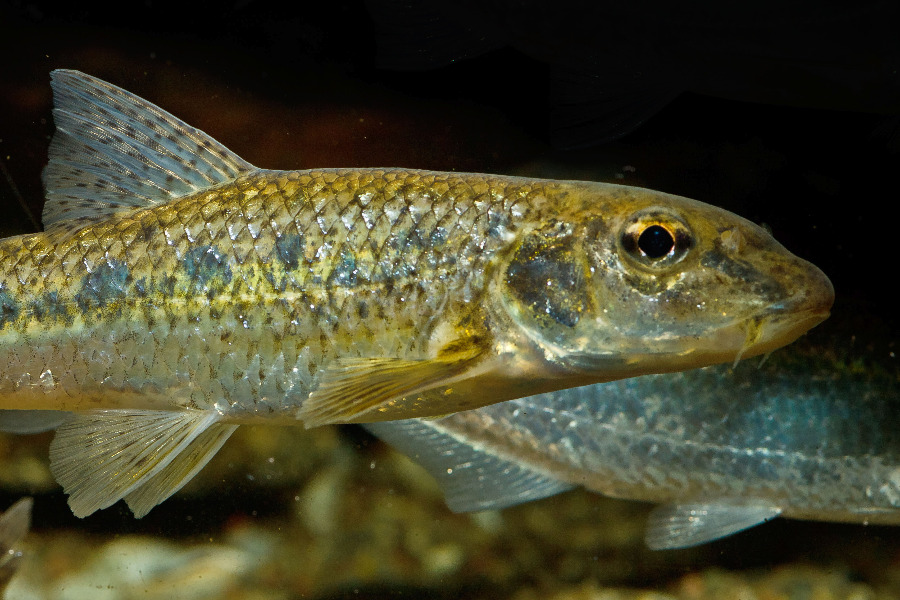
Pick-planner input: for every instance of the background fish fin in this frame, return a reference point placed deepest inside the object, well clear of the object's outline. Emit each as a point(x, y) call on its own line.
point(470, 478)
point(594, 108)
point(114, 151)
point(26, 422)
point(683, 525)
point(350, 388)
point(102, 456)
point(179, 471)
point(14, 524)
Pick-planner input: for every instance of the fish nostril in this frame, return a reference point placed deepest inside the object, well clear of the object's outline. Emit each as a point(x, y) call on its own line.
point(732, 240)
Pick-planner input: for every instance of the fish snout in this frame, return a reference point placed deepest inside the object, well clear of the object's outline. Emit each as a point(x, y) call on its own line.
point(808, 298)
point(810, 292)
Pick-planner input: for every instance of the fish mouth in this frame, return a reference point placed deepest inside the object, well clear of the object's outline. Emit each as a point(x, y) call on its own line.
point(783, 322)
point(807, 304)
point(775, 327)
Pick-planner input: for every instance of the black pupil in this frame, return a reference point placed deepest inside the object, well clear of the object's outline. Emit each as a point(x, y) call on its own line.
point(656, 241)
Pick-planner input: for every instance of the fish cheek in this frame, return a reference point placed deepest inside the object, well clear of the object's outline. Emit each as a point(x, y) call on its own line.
point(547, 278)
point(635, 302)
point(646, 284)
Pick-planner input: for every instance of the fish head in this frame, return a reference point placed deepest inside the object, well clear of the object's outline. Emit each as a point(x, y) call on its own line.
point(634, 281)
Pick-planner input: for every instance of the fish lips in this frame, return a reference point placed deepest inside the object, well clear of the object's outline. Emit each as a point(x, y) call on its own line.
point(779, 328)
point(776, 326)
point(783, 322)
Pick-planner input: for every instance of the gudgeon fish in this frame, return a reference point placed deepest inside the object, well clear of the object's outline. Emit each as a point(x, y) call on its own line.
point(178, 292)
point(719, 449)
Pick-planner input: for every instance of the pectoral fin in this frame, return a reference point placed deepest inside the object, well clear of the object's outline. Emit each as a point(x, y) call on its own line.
point(673, 526)
point(100, 457)
point(361, 390)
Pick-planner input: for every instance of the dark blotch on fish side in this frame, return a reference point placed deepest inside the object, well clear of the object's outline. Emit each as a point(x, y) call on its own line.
point(546, 277)
point(289, 249)
point(167, 285)
point(140, 287)
point(344, 273)
point(106, 284)
point(408, 240)
point(148, 231)
point(278, 284)
point(206, 269)
point(437, 237)
point(50, 306)
point(9, 309)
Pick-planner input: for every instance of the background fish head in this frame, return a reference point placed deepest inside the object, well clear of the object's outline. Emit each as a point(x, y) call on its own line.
point(635, 281)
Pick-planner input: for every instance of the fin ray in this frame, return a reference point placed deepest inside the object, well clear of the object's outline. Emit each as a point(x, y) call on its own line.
point(180, 471)
point(102, 456)
point(113, 149)
point(471, 478)
point(673, 526)
point(351, 388)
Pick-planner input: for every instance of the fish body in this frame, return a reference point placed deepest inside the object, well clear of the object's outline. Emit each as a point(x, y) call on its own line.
point(239, 297)
point(178, 291)
point(720, 449)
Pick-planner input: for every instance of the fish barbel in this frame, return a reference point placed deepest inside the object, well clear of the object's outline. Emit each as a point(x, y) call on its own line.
point(719, 450)
point(178, 292)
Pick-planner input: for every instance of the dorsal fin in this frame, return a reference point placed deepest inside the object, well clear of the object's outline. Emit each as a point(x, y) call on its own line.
point(114, 151)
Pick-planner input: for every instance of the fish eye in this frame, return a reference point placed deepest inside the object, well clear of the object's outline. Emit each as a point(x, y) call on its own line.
point(655, 242)
point(656, 239)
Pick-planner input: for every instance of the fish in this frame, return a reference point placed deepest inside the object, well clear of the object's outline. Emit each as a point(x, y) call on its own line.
point(718, 449)
point(178, 292)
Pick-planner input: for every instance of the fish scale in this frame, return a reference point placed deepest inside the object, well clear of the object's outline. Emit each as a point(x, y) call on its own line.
point(179, 291)
point(253, 204)
point(803, 438)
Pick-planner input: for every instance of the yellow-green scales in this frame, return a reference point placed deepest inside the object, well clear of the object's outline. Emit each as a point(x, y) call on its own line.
point(240, 295)
point(179, 291)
